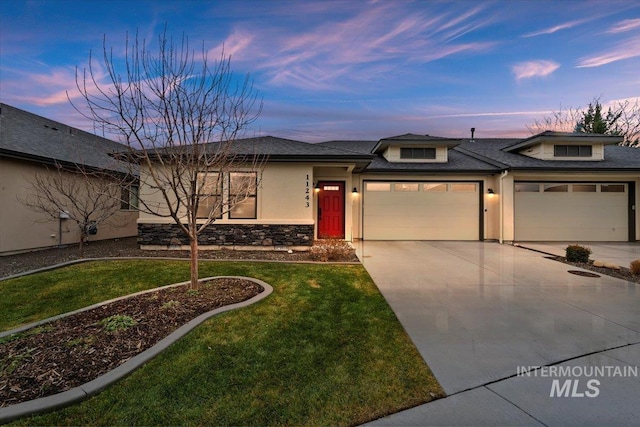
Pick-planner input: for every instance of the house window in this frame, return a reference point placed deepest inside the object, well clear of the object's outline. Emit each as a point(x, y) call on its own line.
point(572, 151)
point(406, 187)
point(129, 197)
point(209, 195)
point(417, 153)
point(242, 195)
point(434, 187)
point(527, 188)
point(378, 186)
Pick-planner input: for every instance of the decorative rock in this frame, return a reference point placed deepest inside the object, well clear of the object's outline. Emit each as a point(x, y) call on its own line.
point(598, 263)
point(612, 266)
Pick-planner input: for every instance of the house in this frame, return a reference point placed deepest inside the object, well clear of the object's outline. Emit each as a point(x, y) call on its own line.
point(30, 145)
point(549, 187)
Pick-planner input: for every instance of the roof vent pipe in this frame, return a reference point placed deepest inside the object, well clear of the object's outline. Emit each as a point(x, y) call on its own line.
point(473, 130)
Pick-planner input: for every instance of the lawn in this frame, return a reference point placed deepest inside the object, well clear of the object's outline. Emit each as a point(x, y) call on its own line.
point(323, 349)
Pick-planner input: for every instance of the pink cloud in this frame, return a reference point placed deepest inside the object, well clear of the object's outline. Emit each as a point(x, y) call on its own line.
point(556, 28)
point(627, 49)
point(626, 25)
point(529, 69)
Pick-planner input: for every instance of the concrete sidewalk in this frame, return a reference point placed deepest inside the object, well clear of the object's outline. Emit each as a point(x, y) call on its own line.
point(480, 312)
point(619, 253)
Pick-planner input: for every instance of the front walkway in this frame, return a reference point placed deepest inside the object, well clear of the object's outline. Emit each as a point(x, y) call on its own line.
point(478, 312)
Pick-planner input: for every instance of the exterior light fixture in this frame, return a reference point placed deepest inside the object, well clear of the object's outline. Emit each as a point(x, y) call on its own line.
point(490, 192)
point(316, 188)
point(355, 191)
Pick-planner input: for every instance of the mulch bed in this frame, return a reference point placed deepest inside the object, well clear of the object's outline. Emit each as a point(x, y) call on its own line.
point(623, 273)
point(69, 352)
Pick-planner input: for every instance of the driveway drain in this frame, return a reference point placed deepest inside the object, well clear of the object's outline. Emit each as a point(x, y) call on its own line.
point(583, 273)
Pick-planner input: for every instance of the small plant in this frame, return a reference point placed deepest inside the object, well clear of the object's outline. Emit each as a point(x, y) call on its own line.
point(117, 322)
point(577, 253)
point(331, 250)
point(634, 267)
point(192, 292)
point(170, 304)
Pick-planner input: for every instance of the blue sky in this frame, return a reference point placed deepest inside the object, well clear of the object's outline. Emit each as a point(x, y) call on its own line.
point(351, 69)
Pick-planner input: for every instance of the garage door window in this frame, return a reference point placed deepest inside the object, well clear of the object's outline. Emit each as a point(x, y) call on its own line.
point(527, 188)
point(584, 188)
point(612, 188)
point(406, 186)
point(435, 187)
point(463, 188)
point(556, 188)
point(378, 186)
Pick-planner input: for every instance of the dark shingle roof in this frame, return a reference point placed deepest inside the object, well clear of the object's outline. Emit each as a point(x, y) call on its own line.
point(363, 147)
point(615, 157)
point(549, 135)
point(32, 137)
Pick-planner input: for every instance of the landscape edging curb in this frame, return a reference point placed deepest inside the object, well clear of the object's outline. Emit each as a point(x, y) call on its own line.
point(93, 387)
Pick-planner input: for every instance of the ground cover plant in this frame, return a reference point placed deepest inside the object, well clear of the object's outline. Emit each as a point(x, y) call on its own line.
point(323, 349)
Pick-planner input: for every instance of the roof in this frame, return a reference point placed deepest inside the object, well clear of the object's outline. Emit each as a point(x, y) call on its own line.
point(275, 149)
point(413, 139)
point(616, 158)
point(551, 136)
point(31, 137)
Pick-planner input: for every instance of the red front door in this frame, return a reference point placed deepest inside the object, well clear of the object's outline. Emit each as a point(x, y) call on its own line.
point(331, 210)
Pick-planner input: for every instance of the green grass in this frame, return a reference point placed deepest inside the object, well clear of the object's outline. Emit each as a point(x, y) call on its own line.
point(323, 349)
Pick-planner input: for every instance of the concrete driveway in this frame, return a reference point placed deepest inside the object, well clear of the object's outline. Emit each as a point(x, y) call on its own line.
point(480, 312)
point(620, 253)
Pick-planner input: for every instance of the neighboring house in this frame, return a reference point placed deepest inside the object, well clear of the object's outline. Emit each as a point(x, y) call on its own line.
point(549, 187)
point(31, 144)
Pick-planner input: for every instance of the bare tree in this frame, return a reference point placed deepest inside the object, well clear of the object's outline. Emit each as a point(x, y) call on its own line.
point(179, 116)
point(622, 118)
point(86, 197)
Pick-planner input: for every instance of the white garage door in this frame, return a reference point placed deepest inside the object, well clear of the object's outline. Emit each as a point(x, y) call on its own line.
point(571, 211)
point(394, 210)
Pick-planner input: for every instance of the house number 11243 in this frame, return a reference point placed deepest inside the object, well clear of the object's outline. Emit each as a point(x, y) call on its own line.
point(307, 193)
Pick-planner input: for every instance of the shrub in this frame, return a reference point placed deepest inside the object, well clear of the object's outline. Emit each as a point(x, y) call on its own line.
point(331, 250)
point(577, 253)
point(635, 267)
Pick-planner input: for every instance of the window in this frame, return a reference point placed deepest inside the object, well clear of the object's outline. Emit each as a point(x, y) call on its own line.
point(584, 188)
point(129, 198)
point(331, 187)
point(417, 153)
point(406, 186)
point(556, 188)
point(612, 188)
point(378, 186)
point(572, 151)
point(242, 195)
point(210, 195)
point(434, 187)
point(527, 188)
point(463, 188)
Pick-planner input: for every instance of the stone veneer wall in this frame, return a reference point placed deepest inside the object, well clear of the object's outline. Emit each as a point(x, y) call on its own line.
point(229, 235)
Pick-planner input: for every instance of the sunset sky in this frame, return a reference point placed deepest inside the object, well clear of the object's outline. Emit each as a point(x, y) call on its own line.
point(350, 69)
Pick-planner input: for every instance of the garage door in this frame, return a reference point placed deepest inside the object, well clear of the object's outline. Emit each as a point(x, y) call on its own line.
point(571, 211)
point(394, 210)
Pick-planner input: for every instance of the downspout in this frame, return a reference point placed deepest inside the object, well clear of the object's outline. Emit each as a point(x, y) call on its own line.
point(503, 175)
